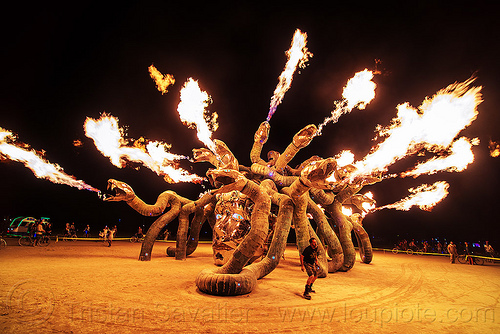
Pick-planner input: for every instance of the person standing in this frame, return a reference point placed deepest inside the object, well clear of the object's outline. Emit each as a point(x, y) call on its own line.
point(489, 249)
point(309, 263)
point(86, 231)
point(439, 247)
point(468, 253)
point(452, 249)
point(111, 234)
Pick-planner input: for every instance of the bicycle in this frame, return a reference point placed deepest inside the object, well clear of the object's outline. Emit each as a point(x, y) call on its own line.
point(136, 238)
point(3, 243)
point(408, 251)
point(43, 241)
point(70, 237)
point(465, 259)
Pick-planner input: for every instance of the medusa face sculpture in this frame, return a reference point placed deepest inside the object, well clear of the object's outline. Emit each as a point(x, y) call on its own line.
point(232, 214)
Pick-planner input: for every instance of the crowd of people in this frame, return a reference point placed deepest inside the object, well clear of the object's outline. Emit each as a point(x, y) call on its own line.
point(38, 229)
point(436, 246)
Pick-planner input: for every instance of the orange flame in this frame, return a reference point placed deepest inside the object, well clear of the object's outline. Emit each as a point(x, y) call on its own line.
point(162, 81)
point(109, 139)
point(192, 111)
point(344, 158)
point(298, 55)
point(433, 126)
point(460, 157)
point(346, 211)
point(39, 166)
point(425, 197)
point(358, 92)
point(366, 205)
point(494, 149)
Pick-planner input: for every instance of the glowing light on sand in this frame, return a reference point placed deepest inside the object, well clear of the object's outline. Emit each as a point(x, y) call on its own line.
point(193, 113)
point(110, 140)
point(357, 93)
point(297, 55)
point(425, 197)
point(34, 160)
point(162, 81)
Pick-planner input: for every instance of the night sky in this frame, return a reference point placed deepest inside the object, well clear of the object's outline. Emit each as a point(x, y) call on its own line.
point(61, 64)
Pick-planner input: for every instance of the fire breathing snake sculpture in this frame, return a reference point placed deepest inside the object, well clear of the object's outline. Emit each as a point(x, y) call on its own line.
point(260, 205)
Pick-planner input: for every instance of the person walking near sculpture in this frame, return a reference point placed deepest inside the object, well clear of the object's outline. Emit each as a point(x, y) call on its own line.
point(452, 249)
point(468, 253)
point(111, 234)
point(309, 263)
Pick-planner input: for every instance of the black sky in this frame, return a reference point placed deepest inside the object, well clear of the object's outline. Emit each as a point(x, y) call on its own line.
point(61, 64)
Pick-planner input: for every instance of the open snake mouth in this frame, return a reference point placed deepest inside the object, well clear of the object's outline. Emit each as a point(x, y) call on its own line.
point(113, 192)
point(220, 178)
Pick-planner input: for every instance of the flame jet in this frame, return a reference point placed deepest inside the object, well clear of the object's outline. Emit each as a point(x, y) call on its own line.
point(358, 92)
point(425, 197)
point(109, 139)
point(433, 126)
point(192, 111)
point(39, 166)
point(162, 81)
point(298, 55)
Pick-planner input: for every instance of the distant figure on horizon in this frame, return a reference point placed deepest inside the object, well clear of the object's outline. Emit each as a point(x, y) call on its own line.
point(489, 249)
point(452, 249)
point(139, 233)
point(39, 232)
point(104, 233)
point(111, 234)
point(86, 231)
point(468, 253)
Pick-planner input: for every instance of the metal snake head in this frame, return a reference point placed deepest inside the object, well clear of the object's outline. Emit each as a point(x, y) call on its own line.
point(203, 154)
point(117, 191)
point(226, 180)
point(272, 157)
point(225, 156)
point(316, 173)
point(302, 138)
point(262, 133)
point(362, 202)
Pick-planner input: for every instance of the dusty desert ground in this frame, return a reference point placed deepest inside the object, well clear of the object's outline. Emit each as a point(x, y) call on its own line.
point(85, 287)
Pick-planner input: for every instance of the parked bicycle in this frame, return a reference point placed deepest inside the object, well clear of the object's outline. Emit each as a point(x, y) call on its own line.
point(28, 240)
point(408, 251)
point(3, 243)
